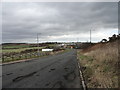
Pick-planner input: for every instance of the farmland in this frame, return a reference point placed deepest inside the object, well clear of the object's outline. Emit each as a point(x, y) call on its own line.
point(12, 52)
point(9, 50)
point(17, 48)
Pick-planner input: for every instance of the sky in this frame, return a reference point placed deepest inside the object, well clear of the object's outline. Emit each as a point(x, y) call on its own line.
point(58, 21)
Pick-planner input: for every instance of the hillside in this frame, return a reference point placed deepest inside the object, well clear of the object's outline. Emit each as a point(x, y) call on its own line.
point(100, 64)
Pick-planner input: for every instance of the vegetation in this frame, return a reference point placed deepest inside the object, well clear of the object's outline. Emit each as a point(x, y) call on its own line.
point(20, 56)
point(15, 46)
point(100, 64)
point(13, 52)
point(18, 49)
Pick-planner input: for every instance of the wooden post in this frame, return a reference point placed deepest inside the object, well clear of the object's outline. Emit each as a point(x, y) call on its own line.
point(2, 58)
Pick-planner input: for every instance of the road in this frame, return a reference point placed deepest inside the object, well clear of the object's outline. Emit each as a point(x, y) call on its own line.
point(57, 71)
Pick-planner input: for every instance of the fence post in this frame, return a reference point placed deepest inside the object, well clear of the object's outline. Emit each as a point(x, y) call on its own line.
point(12, 57)
point(19, 56)
point(25, 56)
point(2, 58)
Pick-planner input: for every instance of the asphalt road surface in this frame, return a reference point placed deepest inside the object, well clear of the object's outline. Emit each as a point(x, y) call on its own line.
point(57, 71)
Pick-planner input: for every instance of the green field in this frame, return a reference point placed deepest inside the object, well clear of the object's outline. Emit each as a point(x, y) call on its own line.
point(15, 46)
point(13, 52)
point(19, 49)
point(22, 47)
point(7, 51)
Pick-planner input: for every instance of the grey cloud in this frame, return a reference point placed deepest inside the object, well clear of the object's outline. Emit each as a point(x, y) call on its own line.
point(25, 20)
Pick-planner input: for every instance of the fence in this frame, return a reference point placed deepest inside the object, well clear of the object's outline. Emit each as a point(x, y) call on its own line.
point(19, 56)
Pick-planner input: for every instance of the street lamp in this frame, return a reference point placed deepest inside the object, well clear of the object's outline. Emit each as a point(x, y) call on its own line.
point(38, 43)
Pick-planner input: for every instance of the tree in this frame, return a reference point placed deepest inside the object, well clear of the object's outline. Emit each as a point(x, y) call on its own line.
point(104, 40)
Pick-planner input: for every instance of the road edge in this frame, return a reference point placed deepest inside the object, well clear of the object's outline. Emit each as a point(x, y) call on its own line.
point(13, 62)
point(81, 76)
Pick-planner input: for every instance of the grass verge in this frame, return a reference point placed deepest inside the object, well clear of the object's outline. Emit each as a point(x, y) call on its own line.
point(100, 66)
point(33, 57)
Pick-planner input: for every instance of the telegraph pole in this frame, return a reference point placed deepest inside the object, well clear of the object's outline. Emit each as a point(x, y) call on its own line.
point(38, 43)
point(90, 36)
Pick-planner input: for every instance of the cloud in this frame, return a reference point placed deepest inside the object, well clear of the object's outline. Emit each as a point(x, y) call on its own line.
point(60, 0)
point(58, 21)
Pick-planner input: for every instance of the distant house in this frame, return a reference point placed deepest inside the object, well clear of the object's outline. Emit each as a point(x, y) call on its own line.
point(46, 50)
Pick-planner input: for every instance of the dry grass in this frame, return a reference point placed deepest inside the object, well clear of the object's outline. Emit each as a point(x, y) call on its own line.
point(101, 63)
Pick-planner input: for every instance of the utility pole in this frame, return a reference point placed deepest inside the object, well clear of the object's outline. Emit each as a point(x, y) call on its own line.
point(77, 40)
point(90, 36)
point(38, 43)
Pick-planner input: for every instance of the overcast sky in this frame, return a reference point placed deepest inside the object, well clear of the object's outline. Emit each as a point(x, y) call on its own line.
point(70, 21)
